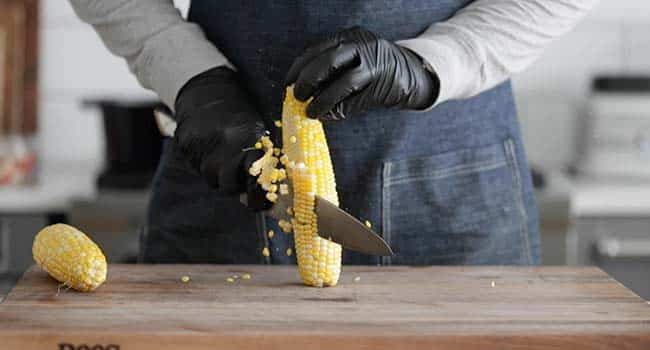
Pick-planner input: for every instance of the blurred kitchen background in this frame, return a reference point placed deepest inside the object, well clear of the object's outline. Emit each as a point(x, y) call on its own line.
point(78, 143)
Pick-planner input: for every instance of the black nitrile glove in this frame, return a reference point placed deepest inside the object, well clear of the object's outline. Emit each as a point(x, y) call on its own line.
point(355, 70)
point(217, 128)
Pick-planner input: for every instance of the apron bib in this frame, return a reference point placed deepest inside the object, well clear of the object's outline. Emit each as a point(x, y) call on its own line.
point(446, 186)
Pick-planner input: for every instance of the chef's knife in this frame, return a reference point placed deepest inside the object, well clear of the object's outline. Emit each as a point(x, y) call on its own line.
point(333, 222)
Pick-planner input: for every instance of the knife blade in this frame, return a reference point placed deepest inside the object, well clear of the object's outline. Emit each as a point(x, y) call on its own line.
point(338, 225)
point(333, 222)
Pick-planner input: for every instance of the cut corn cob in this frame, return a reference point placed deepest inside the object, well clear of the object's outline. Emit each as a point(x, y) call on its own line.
point(70, 257)
point(311, 173)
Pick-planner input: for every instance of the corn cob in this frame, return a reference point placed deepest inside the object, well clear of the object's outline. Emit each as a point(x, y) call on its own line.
point(70, 257)
point(310, 170)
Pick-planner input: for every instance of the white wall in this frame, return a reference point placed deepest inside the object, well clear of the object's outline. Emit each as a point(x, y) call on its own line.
point(552, 93)
point(75, 65)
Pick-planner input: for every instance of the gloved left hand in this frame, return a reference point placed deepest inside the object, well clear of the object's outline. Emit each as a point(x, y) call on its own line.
point(355, 70)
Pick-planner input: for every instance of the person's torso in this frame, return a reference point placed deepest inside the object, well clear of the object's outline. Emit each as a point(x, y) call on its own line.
point(444, 186)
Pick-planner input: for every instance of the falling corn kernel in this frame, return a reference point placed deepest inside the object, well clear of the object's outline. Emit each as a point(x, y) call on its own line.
point(230, 280)
point(265, 251)
point(289, 251)
point(357, 279)
point(271, 233)
point(258, 145)
point(278, 123)
point(246, 276)
point(266, 142)
point(492, 284)
point(282, 174)
point(293, 139)
point(272, 197)
point(273, 188)
point(285, 226)
point(185, 279)
point(368, 224)
point(289, 209)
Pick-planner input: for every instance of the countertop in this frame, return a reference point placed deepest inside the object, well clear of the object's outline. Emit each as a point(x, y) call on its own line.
point(58, 184)
point(148, 307)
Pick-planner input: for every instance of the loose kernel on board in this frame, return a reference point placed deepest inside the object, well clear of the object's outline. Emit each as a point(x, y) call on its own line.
point(492, 284)
point(368, 224)
point(230, 280)
point(265, 251)
point(246, 276)
point(185, 279)
point(357, 279)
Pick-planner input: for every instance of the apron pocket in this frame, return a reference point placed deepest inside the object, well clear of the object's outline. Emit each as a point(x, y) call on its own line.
point(460, 207)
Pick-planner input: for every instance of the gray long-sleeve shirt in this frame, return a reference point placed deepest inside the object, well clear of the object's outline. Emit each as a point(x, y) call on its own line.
point(478, 48)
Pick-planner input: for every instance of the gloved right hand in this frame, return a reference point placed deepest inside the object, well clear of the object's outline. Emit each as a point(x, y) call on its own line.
point(217, 129)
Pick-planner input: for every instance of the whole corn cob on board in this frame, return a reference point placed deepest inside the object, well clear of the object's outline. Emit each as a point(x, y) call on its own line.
point(266, 307)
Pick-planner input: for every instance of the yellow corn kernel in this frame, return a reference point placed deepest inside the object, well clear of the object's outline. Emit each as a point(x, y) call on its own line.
point(258, 145)
point(278, 123)
point(310, 170)
point(368, 224)
point(272, 197)
point(230, 280)
point(271, 233)
point(70, 257)
point(276, 152)
point(273, 188)
point(265, 251)
point(284, 189)
point(185, 279)
point(289, 251)
point(285, 226)
point(289, 211)
point(266, 142)
point(246, 276)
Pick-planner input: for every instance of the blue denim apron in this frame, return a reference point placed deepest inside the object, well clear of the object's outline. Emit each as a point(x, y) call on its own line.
point(447, 186)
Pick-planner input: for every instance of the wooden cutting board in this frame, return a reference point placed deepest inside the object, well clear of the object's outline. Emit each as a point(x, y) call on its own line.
point(148, 307)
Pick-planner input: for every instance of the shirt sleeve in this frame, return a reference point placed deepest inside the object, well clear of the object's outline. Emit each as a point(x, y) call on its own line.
point(487, 41)
point(162, 49)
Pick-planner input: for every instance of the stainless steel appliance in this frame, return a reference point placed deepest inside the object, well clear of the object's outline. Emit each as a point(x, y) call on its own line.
point(615, 139)
point(610, 199)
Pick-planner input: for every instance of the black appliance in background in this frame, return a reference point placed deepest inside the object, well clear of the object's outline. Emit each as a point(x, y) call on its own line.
point(133, 143)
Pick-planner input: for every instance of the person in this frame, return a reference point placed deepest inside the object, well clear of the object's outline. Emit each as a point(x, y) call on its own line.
point(418, 111)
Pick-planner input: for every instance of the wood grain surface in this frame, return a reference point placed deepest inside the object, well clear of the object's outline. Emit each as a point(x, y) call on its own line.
point(148, 307)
